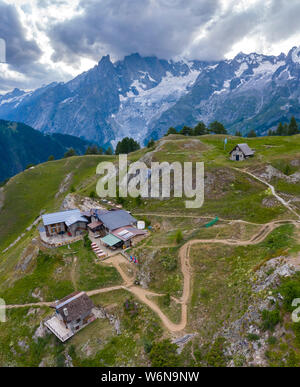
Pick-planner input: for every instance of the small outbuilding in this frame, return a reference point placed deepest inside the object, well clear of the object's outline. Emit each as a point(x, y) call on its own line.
point(72, 313)
point(241, 152)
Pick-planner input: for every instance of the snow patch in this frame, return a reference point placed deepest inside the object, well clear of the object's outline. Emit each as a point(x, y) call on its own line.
point(267, 68)
point(15, 100)
point(296, 55)
point(244, 66)
point(137, 111)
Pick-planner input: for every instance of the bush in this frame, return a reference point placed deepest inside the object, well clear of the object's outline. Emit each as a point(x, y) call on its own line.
point(272, 340)
point(168, 262)
point(296, 329)
point(198, 355)
point(171, 131)
point(92, 194)
point(270, 318)
point(292, 359)
point(204, 294)
point(178, 237)
point(138, 201)
point(216, 357)
point(87, 242)
point(164, 354)
point(130, 307)
point(166, 299)
point(147, 345)
point(70, 153)
point(290, 290)
point(151, 143)
point(253, 337)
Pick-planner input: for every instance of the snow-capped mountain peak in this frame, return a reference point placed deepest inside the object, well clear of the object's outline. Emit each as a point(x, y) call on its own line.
point(142, 97)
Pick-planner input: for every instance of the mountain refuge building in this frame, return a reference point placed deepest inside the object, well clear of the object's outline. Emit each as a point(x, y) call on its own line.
point(241, 152)
point(72, 313)
point(71, 222)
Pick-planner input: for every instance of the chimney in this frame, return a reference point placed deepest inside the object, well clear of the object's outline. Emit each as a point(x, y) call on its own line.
point(66, 313)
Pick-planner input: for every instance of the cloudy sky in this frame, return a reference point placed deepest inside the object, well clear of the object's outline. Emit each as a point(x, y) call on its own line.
point(54, 40)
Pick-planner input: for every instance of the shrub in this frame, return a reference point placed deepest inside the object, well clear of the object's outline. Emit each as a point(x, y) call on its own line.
point(292, 359)
point(130, 307)
point(138, 201)
point(151, 143)
point(164, 354)
point(272, 340)
point(198, 355)
point(92, 194)
point(87, 242)
point(178, 237)
point(70, 153)
point(253, 337)
point(270, 318)
point(296, 329)
point(166, 299)
point(147, 345)
point(215, 356)
point(290, 290)
point(204, 294)
point(168, 262)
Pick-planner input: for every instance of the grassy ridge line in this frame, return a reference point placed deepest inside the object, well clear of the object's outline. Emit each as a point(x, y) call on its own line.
point(32, 191)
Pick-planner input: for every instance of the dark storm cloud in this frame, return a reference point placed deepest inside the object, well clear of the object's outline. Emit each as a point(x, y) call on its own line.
point(167, 28)
point(150, 27)
point(224, 32)
point(197, 29)
point(281, 20)
point(21, 53)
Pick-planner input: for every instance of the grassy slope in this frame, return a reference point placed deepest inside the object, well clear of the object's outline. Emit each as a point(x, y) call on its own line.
point(32, 191)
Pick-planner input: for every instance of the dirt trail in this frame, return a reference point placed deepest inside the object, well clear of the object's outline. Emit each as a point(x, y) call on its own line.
point(274, 193)
point(116, 261)
point(178, 215)
point(184, 254)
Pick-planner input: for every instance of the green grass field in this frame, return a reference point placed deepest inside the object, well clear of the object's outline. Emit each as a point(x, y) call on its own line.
point(222, 277)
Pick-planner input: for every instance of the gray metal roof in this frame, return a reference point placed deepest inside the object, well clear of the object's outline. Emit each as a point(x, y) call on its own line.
point(116, 219)
point(74, 219)
point(246, 149)
point(69, 217)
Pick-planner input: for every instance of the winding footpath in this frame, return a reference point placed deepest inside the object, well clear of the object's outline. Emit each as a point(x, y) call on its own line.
point(184, 254)
point(274, 193)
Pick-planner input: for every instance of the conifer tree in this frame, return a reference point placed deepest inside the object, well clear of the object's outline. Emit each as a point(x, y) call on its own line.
point(200, 129)
point(293, 127)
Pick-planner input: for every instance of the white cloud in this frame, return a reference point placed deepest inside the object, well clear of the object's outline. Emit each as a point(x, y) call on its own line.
point(53, 40)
